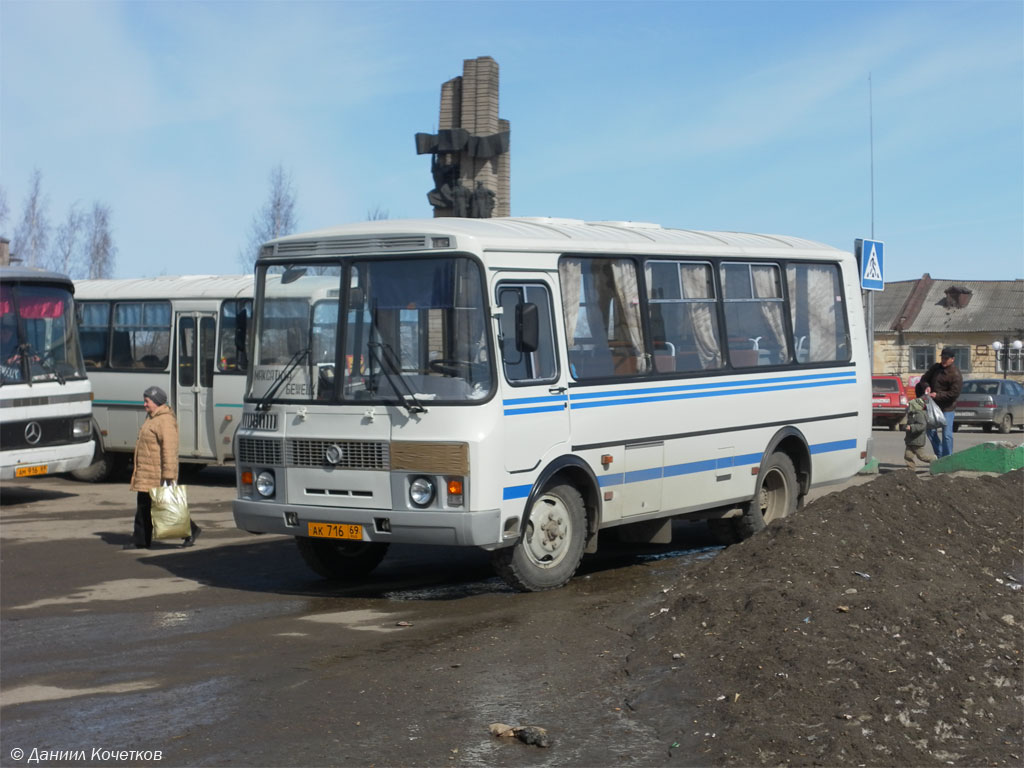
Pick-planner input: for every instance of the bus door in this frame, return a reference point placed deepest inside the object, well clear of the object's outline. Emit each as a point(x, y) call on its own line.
point(194, 359)
point(534, 391)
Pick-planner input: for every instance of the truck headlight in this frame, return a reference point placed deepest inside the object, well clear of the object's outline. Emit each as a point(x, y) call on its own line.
point(265, 483)
point(81, 427)
point(421, 491)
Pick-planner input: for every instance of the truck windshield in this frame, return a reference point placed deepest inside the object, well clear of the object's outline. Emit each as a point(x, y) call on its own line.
point(37, 334)
point(409, 331)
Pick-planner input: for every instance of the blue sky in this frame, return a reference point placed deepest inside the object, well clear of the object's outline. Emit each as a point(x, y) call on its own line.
point(748, 116)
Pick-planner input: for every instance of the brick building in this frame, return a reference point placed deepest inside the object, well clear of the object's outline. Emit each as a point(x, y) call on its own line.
point(915, 319)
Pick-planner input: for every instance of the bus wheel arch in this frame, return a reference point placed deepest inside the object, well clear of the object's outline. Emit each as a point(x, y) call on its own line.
point(105, 464)
point(791, 442)
point(559, 524)
point(782, 483)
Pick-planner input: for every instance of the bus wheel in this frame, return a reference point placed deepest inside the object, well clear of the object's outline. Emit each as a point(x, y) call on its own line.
point(777, 497)
point(103, 466)
point(341, 560)
point(551, 546)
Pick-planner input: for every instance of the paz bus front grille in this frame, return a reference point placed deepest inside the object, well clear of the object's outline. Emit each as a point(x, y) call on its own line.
point(348, 454)
point(297, 452)
point(258, 450)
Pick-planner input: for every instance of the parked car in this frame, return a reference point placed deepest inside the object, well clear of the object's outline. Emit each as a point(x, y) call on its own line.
point(888, 401)
point(990, 403)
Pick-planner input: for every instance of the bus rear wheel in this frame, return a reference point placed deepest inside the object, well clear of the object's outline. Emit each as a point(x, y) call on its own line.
point(550, 548)
point(341, 560)
point(777, 497)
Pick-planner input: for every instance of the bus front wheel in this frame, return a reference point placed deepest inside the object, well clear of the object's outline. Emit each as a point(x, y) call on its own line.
point(777, 496)
point(550, 548)
point(341, 560)
point(104, 466)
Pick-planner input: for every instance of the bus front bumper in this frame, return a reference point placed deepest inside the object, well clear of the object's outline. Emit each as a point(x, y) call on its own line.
point(481, 528)
point(49, 460)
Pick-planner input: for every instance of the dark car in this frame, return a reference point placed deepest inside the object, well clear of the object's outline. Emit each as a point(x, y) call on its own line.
point(888, 401)
point(990, 403)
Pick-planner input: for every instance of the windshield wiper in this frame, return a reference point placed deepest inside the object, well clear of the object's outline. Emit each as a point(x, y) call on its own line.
point(27, 354)
point(264, 402)
point(384, 362)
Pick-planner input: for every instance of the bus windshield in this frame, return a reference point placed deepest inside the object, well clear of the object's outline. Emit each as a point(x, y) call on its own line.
point(411, 331)
point(37, 334)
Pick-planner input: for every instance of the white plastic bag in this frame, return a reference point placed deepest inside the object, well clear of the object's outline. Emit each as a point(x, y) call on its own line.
point(170, 512)
point(934, 417)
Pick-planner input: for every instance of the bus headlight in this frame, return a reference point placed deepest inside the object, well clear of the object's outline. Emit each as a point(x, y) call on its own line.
point(265, 483)
point(81, 427)
point(421, 491)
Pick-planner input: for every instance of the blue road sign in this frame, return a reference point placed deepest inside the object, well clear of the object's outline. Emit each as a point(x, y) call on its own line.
point(870, 256)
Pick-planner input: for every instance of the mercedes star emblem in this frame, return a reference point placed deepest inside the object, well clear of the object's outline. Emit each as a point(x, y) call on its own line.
point(33, 432)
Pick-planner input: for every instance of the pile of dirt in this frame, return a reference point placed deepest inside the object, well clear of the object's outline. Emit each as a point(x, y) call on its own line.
point(881, 626)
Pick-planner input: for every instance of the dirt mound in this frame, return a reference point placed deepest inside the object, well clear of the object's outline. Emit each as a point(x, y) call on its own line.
point(880, 626)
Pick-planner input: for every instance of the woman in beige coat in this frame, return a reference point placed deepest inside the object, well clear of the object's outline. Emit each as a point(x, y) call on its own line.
point(156, 462)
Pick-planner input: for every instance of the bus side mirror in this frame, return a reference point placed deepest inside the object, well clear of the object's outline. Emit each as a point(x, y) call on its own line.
point(527, 328)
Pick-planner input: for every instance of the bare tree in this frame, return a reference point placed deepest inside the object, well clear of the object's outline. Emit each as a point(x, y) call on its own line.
point(275, 219)
point(100, 248)
point(67, 246)
point(33, 233)
point(377, 214)
point(4, 210)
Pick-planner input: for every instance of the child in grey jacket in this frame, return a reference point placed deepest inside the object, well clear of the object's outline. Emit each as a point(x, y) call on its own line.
point(917, 426)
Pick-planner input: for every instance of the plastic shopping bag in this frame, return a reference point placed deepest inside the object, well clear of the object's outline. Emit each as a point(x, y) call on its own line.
point(934, 417)
point(170, 512)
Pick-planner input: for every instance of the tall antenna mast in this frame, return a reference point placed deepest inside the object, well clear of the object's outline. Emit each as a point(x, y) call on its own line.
point(871, 139)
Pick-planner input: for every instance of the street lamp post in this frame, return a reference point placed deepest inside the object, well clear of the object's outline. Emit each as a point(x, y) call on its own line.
point(1004, 347)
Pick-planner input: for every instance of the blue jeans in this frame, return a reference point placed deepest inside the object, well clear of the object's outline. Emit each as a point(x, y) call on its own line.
point(942, 438)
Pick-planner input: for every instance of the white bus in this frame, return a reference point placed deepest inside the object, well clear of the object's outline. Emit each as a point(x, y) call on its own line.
point(182, 334)
point(45, 397)
point(523, 385)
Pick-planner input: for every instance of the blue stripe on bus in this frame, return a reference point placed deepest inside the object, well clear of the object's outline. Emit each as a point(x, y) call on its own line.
point(538, 399)
point(719, 384)
point(540, 404)
point(624, 398)
point(836, 445)
point(689, 468)
point(539, 409)
point(516, 492)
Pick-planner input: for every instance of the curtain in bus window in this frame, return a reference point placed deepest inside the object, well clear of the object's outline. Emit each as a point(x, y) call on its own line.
point(570, 275)
point(821, 293)
point(702, 317)
point(627, 296)
point(766, 286)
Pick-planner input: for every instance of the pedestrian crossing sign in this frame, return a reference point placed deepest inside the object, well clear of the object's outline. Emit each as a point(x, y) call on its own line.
point(870, 257)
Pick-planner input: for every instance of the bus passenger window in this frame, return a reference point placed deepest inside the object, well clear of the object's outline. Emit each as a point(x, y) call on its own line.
point(754, 319)
point(601, 308)
point(681, 312)
point(817, 313)
point(142, 334)
point(94, 331)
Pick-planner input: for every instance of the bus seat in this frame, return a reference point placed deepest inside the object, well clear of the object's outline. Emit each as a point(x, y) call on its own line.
point(121, 350)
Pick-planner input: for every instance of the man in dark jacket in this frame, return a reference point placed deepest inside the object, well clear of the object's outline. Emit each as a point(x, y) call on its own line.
point(945, 381)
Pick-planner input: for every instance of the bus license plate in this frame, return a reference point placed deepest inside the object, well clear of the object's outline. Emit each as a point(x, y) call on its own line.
point(38, 469)
point(336, 531)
